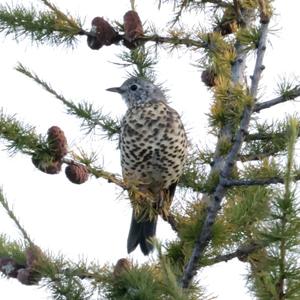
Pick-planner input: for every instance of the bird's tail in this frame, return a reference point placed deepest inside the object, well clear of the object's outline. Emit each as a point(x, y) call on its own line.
point(139, 233)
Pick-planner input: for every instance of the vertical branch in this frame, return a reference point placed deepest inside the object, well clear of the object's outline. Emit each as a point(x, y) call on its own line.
point(226, 164)
point(259, 67)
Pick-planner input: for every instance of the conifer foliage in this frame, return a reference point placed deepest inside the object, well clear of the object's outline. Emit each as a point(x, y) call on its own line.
point(247, 208)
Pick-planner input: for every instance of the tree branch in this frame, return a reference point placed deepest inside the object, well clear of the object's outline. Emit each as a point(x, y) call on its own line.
point(251, 182)
point(257, 156)
point(11, 214)
point(173, 40)
point(216, 198)
point(281, 99)
point(57, 27)
point(90, 116)
point(241, 253)
point(262, 136)
point(53, 27)
point(259, 67)
point(260, 181)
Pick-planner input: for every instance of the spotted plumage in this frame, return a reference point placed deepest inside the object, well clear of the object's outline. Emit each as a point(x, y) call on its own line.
point(153, 148)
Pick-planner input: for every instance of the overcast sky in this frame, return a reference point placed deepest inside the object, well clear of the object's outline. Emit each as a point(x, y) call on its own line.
point(93, 219)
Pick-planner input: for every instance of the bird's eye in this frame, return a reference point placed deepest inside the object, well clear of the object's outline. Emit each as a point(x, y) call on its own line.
point(133, 87)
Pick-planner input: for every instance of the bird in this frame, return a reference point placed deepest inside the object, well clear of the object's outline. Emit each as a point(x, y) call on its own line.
point(153, 146)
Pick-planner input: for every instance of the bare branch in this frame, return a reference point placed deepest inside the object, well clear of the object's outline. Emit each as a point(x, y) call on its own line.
point(259, 181)
point(259, 67)
point(241, 253)
point(174, 41)
point(257, 156)
point(281, 99)
point(262, 136)
point(251, 182)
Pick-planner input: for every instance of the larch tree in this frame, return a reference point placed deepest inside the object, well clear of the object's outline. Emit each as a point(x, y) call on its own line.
point(236, 197)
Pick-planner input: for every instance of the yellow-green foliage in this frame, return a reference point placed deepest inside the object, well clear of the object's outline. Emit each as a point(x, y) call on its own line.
point(220, 54)
point(189, 225)
point(175, 254)
point(266, 168)
point(249, 4)
point(249, 37)
point(147, 282)
point(194, 173)
point(138, 283)
point(12, 250)
point(224, 145)
point(53, 27)
point(245, 208)
point(229, 103)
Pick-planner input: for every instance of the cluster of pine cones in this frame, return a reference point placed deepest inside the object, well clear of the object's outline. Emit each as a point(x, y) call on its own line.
point(102, 33)
point(58, 148)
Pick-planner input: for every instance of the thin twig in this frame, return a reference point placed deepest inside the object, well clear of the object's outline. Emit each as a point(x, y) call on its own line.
point(174, 41)
point(61, 15)
point(11, 214)
point(90, 117)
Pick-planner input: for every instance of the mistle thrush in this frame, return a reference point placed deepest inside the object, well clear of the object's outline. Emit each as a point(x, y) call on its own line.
point(153, 148)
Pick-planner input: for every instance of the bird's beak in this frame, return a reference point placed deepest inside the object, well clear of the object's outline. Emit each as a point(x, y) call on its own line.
point(115, 90)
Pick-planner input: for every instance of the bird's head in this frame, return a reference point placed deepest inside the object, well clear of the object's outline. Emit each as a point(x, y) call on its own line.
point(136, 91)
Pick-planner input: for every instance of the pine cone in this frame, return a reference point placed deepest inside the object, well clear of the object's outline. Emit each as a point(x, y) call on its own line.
point(49, 167)
point(133, 29)
point(228, 24)
point(77, 173)
point(105, 34)
point(208, 77)
point(57, 142)
point(228, 27)
point(28, 276)
point(122, 265)
point(10, 267)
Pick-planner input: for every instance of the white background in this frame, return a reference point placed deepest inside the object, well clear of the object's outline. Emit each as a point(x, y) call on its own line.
point(92, 220)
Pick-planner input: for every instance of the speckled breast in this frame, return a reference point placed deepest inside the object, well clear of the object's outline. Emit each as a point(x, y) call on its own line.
point(153, 145)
